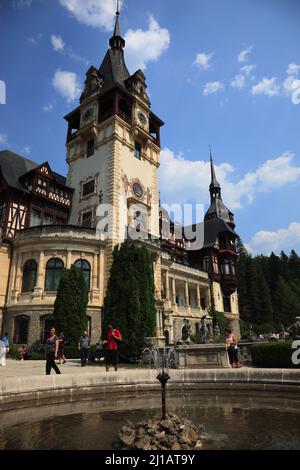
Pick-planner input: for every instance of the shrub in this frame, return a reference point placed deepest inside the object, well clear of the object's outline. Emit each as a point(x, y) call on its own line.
point(36, 356)
point(72, 352)
point(273, 354)
point(13, 352)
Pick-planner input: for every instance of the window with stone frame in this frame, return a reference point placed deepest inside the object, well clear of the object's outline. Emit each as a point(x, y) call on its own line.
point(87, 219)
point(54, 272)
point(88, 188)
point(86, 269)
point(90, 148)
point(138, 150)
point(29, 276)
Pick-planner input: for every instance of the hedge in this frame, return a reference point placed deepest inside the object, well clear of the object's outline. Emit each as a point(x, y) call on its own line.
point(273, 354)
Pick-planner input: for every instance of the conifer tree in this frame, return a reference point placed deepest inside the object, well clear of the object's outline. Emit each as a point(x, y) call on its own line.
point(129, 302)
point(70, 304)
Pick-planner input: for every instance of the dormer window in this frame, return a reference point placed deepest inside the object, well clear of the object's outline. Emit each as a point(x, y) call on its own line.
point(138, 150)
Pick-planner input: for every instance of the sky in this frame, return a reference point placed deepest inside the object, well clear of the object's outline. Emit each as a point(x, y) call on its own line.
point(224, 73)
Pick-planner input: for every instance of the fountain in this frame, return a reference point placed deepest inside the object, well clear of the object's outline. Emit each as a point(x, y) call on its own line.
point(167, 432)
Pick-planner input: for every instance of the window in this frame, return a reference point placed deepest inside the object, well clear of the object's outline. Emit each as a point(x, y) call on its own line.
point(88, 188)
point(35, 218)
point(226, 267)
point(46, 323)
point(87, 219)
point(21, 326)
point(86, 269)
point(215, 264)
point(227, 304)
point(29, 276)
point(138, 150)
point(54, 271)
point(90, 148)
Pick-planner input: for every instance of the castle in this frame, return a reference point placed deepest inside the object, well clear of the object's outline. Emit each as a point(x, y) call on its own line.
point(49, 222)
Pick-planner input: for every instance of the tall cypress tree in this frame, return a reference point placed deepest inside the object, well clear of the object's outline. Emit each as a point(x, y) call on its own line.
point(129, 302)
point(70, 304)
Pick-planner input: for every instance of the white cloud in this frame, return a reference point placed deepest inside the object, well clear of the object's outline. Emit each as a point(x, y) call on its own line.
point(203, 60)
point(264, 242)
point(267, 86)
point(293, 69)
point(239, 81)
point(95, 13)
point(243, 55)
point(27, 150)
point(177, 174)
point(212, 87)
point(57, 43)
point(47, 108)
point(3, 138)
point(67, 84)
point(146, 46)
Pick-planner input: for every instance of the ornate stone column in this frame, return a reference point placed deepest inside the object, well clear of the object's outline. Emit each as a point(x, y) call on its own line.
point(198, 296)
point(173, 291)
point(95, 273)
point(167, 287)
point(40, 280)
point(187, 297)
point(69, 259)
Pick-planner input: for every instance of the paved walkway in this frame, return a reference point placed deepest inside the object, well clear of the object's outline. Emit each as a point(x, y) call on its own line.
point(33, 368)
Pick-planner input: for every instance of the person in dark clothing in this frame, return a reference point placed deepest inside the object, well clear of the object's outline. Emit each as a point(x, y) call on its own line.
point(112, 342)
point(83, 346)
point(61, 348)
point(51, 351)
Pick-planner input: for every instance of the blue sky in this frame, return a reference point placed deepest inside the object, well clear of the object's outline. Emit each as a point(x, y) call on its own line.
point(225, 73)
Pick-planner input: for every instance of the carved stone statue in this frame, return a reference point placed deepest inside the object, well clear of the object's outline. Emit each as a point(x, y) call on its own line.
point(186, 331)
point(294, 329)
point(217, 331)
point(204, 330)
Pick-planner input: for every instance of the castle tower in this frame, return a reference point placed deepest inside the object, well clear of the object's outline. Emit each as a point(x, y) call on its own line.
point(113, 151)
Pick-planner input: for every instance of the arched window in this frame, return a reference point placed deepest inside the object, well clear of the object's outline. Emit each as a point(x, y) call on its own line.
point(46, 323)
point(54, 271)
point(86, 269)
point(21, 326)
point(29, 276)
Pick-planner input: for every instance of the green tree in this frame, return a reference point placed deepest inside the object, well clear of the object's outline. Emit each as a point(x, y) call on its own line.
point(130, 302)
point(70, 304)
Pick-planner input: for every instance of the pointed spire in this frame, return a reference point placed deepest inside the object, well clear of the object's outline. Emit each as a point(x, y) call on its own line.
point(214, 185)
point(116, 41)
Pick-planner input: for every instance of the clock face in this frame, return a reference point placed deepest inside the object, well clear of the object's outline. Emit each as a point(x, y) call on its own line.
point(88, 114)
point(142, 118)
point(138, 190)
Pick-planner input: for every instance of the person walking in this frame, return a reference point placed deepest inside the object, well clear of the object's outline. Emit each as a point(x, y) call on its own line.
point(6, 341)
point(51, 352)
point(61, 348)
point(112, 342)
point(2, 352)
point(232, 348)
point(83, 346)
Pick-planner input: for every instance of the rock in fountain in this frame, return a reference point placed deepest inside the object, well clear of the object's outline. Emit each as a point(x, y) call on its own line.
point(172, 433)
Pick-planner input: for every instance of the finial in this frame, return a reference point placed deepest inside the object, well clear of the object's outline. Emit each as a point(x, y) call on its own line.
point(210, 154)
point(118, 7)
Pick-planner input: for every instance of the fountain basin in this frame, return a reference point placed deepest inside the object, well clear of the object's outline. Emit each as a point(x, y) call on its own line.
point(205, 356)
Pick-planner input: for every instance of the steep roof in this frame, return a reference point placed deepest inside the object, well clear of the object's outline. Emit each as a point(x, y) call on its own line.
point(208, 232)
point(113, 69)
point(14, 166)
